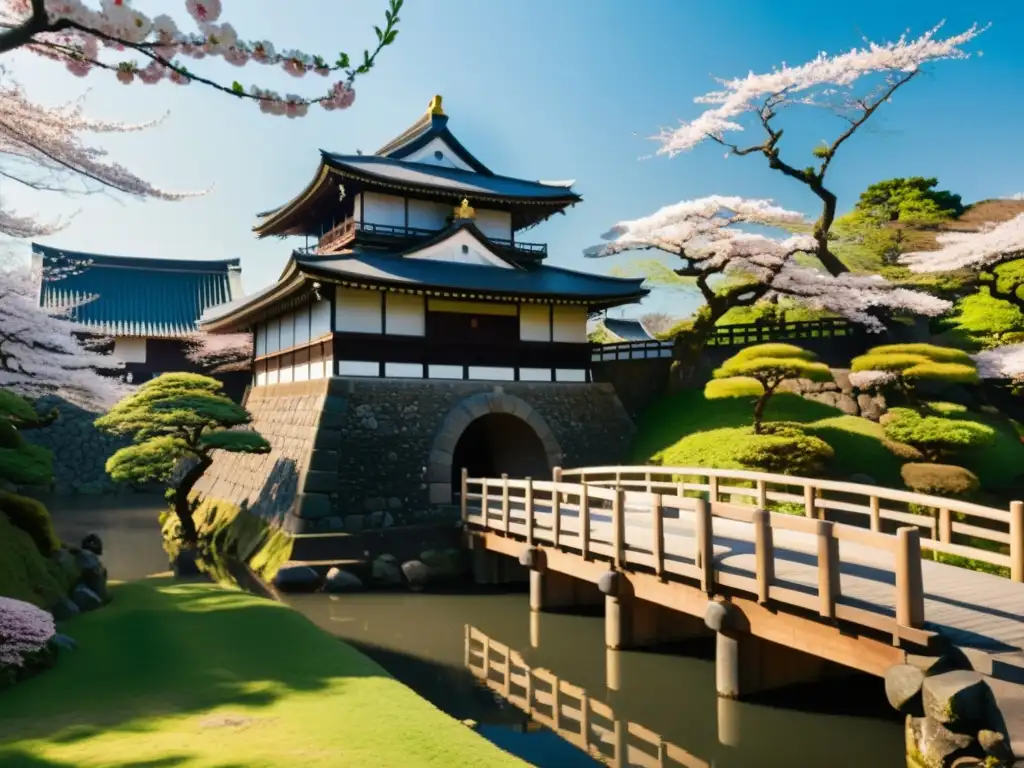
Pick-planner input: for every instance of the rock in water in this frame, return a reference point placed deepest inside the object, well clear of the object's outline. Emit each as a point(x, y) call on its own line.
point(955, 698)
point(296, 578)
point(341, 581)
point(93, 543)
point(416, 573)
point(903, 684)
point(994, 744)
point(64, 609)
point(932, 745)
point(85, 598)
point(386, 570)
point(443, 562)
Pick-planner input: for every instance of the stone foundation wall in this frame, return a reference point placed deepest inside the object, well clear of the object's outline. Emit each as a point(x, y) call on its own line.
point(839, 394)
point(80, 451)
point(361, 454)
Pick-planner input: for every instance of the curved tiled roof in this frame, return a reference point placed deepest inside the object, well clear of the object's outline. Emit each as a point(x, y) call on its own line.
point(134, 296)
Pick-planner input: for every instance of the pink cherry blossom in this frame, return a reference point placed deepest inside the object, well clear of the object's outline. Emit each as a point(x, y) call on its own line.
point(203, 11)
point(708, 235)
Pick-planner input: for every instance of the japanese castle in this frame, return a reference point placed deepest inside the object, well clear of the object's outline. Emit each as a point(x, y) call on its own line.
point(413, 268)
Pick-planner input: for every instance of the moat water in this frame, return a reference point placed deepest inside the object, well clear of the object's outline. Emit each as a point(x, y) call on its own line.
point(636, 700)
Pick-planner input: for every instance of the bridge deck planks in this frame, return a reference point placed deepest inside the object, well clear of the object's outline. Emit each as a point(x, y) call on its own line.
point(971, 609)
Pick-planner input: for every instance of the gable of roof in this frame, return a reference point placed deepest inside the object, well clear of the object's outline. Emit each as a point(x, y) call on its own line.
point(432, 125)
point(134, 296)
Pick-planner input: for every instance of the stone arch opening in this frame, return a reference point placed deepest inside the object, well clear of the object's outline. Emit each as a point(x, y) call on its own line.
point(499, 443)
point(490, 433)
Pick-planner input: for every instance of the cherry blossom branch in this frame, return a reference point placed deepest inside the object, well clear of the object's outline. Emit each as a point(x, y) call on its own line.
point(71, 32)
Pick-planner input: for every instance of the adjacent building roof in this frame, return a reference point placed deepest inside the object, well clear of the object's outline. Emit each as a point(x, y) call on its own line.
point(626, 329)
point(133, 296)
point(393, 271)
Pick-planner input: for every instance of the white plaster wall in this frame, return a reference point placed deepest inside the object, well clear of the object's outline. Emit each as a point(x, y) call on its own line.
point(320, 320)
point(129, 349)
point(260, 339)
point(570, 324)
point(535, 374)
point(301, 316)
point(272, 369)
point(461, 248)
point(286, 374)
point(444, 371)
point(488, 373)
point(570, 374)
point(383, 209)
point(494, 223)
point(358, 368)
point(357, 311)
point(273, 335)
point(403, 370)
point(534, 322)
point(426, 214)
point(448, 158)
point(405, 315)
point(287, 330)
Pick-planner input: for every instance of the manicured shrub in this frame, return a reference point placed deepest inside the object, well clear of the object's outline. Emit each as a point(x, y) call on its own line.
point(903, 451)
point(940, 479)
point(784, 449)
point(33, 518)
point(766, 365)
point(935, 436)
point(26, 633)
point(903, 366)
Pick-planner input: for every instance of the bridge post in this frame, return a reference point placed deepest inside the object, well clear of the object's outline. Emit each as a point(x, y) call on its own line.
point(551, 590)
point(909, 579)
point(1017, 540)
point(633, 623)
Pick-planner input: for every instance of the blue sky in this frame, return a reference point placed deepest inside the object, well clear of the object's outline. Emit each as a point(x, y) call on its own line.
point(549, 89)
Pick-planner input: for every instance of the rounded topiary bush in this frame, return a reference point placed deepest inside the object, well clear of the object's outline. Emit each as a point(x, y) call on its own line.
point(26, 640)
point(939, 479)
point(784, 449)
point(33, 518)
point(902, 450)
point(935, 436)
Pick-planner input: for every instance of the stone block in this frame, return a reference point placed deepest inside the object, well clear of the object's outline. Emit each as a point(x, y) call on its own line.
point(354, 523)
point(442, 458)
point(903, 684)
point(955, 698)
point(313, 506)
point(936, 745)
point(323, 461)
point(333, 420)
point(440, 493)
point(327, 439)
point(317, 481)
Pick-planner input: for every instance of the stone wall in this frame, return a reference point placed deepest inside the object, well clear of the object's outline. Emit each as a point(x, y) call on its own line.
point(80, 451)
point(839, 394)
point(360, 454)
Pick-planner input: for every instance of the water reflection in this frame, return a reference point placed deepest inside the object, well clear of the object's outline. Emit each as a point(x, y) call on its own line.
point(642, 708)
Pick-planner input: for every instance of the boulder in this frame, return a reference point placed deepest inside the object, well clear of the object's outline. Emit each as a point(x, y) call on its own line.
point(85, 598)
point(63, 642)
point(296, 578)
point(66, 562)
point(93, 543)
point(994, 744)
point(416, 573)
point(903, 683)
point(443, 562)
point(87, 561)
point(386, 570)
point(956, 699)
point(64, 609)
point(931, 745)
point(341, 581)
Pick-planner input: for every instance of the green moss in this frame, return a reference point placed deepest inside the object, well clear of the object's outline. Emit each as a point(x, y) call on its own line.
point(33, 518)
point(24, 573)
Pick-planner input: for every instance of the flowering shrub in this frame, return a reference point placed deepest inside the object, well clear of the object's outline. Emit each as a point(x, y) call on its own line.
point(26, 633)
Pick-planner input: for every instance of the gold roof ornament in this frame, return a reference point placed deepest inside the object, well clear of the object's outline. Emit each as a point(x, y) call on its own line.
point(465, 211)
point(435, 107)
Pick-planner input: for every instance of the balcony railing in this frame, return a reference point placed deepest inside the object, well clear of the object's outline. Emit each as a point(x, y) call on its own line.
point(349, 230)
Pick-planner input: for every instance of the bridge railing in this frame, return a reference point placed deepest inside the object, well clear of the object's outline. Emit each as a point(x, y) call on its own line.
point(599, 522)
point(954, 528)
point(736, 335)
point(567, 710)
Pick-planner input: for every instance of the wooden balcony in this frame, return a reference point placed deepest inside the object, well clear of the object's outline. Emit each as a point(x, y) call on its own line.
point(351, 232)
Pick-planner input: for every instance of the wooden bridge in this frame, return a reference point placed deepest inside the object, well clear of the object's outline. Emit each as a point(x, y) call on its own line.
point(861, 576)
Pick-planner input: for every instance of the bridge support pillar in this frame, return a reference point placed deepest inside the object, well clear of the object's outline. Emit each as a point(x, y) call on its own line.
point(491, 568)
point(633, 623)
point(746, 665)
point(553, 591)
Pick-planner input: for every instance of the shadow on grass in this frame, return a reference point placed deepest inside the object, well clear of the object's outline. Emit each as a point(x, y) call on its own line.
point(165, 648)
point(22, 759)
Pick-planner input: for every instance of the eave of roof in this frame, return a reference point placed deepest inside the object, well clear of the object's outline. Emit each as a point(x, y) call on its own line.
point(51, 255)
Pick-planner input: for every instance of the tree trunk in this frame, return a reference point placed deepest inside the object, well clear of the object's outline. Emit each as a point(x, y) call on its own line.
point(181, 501)
point(688, 346)
point(762, 401)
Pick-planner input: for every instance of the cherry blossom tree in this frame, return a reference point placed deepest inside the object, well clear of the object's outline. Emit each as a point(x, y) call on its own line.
point(220, 352)
point(734, 267)
point(983, 250)
point(880, 69)
point(1005, 362)
point(77, 34)
point(41, 354)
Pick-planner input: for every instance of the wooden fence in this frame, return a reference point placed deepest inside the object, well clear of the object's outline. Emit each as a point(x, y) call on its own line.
point(567, 710)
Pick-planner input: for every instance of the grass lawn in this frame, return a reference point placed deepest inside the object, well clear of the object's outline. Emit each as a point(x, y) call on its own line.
point(685, 429)
point(181, 674)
